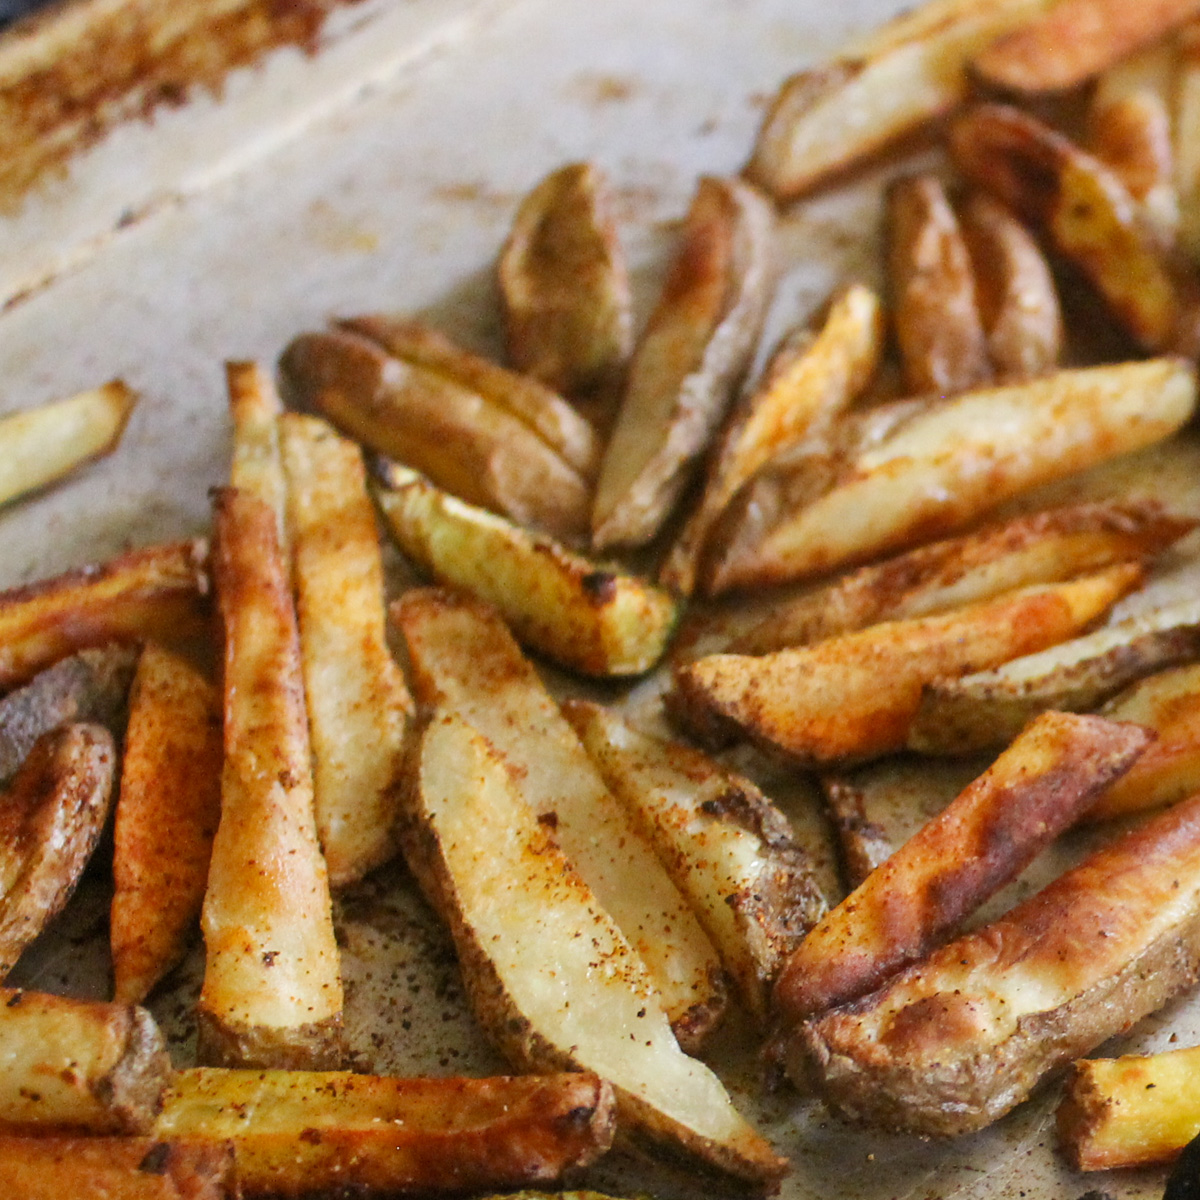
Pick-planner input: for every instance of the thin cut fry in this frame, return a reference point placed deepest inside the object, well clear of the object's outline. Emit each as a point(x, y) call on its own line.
point(254, 407)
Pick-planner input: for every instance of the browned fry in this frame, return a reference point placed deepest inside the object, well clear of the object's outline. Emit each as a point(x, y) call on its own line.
point(256, 467)
point(1186, 141)
point(990, 833)
point(167, 814)
point(939, 328)
point(863, 845)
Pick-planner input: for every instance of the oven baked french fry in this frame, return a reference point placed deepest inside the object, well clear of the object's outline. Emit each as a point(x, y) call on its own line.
point(272, 993)
point(988, 708)
point(514, 901)
point(938, 324)
point(1130, 1111)
point(78, 1064)
point(256, 467)
point(957, 1040)
point(354, 691)
point(907, 73)
point(854, 697)
point(1186, 140)
point(862, 844)
point(300, 1132)
point(950, 462)
point(167, 813)
point(463, 658)
point(982, 840)
point(730, 851)
point(813, 374)
point(590, 618)
point(689, 362)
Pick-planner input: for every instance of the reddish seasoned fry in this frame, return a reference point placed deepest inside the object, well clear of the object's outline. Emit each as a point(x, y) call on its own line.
point(167, 814)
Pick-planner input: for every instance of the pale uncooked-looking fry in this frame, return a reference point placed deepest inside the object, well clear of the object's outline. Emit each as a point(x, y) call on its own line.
point(355, 694)
point(256, 467)
point(272, 993)
point(167, 813)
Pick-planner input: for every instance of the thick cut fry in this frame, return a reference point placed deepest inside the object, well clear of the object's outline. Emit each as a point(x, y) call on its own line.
point(167, 814)
point(78, 1064)
point(811, 377)
point(910, 72)
point(957, 1040)
point(862, 844)
point(950, 462)
point(689, 362)
point(565, 289)
point(40, 445)
point(272, 993)
point(159, 592)
point(1130, 1111)
point(355, 694)
point(854, 697)
point(463, 659)
point(514, 902)
point(256, 467)
point(587, 617)
point(300, 1132)
point(730, 851)
point(983, 839)
point(939, 328)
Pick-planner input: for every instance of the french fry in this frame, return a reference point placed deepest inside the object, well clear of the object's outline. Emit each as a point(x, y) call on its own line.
point(256, 467)
point(689, 362)
point(730, 851)
point(982, 840)
point(1186, 141)
point(463, 659)
point(167, 813)
point(272, 995)
point(862, 843)
point(354, 691)
point(592, 619)
point(299, 1132)
point(854, 697)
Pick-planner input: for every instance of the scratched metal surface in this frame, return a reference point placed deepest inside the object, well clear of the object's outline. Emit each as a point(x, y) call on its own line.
point(397, 197)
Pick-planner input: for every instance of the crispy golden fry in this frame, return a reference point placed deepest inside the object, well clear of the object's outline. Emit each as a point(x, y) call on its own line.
point(1086, 211)
point(863, 845)
point(592, 619)
point(730, 851)
point(514, 901)
point(355, 694)
point(986, 837)
point(909, 72)
point(461, 439)
point(464, 659)
point(272, 993)
point(1075, 40)
point(1186, 142)
point(1015, 289)
point(158, 592)
point(300, 1132)
point(958, 1039)
point(689, 362)
point(1130, 1111)
point(167, 814)
point(939, 327)
point(950, 462)
point(257, 468)
point(565, 289)
point(854, 697)
point(812, 376)
point(40, 445)
point(78, 1064)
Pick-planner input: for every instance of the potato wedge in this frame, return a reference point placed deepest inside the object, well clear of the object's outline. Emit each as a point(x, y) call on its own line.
point(167, 814)
point(854, 697)
point(256, 467)
point(589, 618)
point(909, 72)
point(272, 993)
point(355, 694)
point(689, 362)
point(813, 375)
point(513, 900)
point(78, 1064)
point(565, 289)
point(730, 851)
point(950, 462)
point(299, 1132)
point(862, 844)
point(462, 658)
point(982, 840)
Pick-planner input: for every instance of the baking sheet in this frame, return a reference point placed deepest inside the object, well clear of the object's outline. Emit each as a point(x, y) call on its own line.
point(397, 198)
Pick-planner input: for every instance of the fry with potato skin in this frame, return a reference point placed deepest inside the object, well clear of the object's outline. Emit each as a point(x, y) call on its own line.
point(863, 845)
